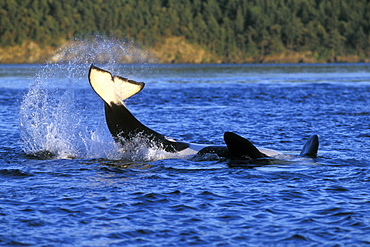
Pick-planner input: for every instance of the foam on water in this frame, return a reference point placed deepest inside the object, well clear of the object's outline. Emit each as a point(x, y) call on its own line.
point(52, 123)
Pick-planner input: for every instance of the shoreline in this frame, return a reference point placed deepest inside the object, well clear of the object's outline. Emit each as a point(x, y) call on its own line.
point(174, 50)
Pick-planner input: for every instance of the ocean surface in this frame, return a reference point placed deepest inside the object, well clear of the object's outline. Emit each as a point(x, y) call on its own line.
point(64, 182)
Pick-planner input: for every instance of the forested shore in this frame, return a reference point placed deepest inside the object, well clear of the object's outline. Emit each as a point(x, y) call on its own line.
point(192, 31)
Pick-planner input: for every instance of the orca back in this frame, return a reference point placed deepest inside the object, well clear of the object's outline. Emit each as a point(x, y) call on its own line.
point(311, 147)
point(240, 147)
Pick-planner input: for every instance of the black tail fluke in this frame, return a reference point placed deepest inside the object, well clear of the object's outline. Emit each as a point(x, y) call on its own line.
point(311, 147)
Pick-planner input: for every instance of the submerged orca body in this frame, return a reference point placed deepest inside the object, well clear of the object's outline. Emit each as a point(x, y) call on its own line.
point(124, 127)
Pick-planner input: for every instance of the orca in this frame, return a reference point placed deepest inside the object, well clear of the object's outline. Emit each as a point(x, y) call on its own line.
point(311, 147)
point(124, 127)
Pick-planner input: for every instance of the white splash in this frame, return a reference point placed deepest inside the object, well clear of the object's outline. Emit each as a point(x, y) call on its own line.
point(102, 49)
point(53, 122)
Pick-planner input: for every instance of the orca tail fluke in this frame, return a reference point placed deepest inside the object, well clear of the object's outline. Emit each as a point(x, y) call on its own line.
point(121, 123)
point(240, 147)
point(311, 147)
point(112, 89)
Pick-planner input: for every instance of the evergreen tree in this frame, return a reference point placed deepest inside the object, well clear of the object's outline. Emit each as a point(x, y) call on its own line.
point(229, 28)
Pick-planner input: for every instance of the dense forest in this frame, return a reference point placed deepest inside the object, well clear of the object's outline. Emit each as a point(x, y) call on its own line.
point(229, 28)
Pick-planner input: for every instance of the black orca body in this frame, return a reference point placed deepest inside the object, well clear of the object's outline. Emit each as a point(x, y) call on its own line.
point(311, 147)
point(124, 127)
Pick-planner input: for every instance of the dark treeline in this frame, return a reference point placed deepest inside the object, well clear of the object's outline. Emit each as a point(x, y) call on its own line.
point(228, 28)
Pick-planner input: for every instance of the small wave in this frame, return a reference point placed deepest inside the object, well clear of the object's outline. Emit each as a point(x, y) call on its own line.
point(14, 173)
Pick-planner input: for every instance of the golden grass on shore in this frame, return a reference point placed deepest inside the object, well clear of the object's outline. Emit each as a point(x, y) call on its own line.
point(169, 50)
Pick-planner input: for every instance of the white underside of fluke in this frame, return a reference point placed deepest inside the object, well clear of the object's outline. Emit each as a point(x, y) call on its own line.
point(113, 89)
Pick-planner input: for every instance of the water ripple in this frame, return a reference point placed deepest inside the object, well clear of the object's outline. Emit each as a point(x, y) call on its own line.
point(14, 173)
point(88, 196)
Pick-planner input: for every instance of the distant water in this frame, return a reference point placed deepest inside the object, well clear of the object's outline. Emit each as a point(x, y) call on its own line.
point(64, 182)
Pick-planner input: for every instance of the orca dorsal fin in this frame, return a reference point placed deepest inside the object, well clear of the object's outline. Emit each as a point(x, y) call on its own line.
point(112, 89)
point(311, 147)
point(240, 147)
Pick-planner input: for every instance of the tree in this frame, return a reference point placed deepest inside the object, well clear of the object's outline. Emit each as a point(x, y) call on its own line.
point(230, 28)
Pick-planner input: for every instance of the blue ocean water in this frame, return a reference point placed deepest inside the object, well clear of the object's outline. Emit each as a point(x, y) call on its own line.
point(64, 182)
